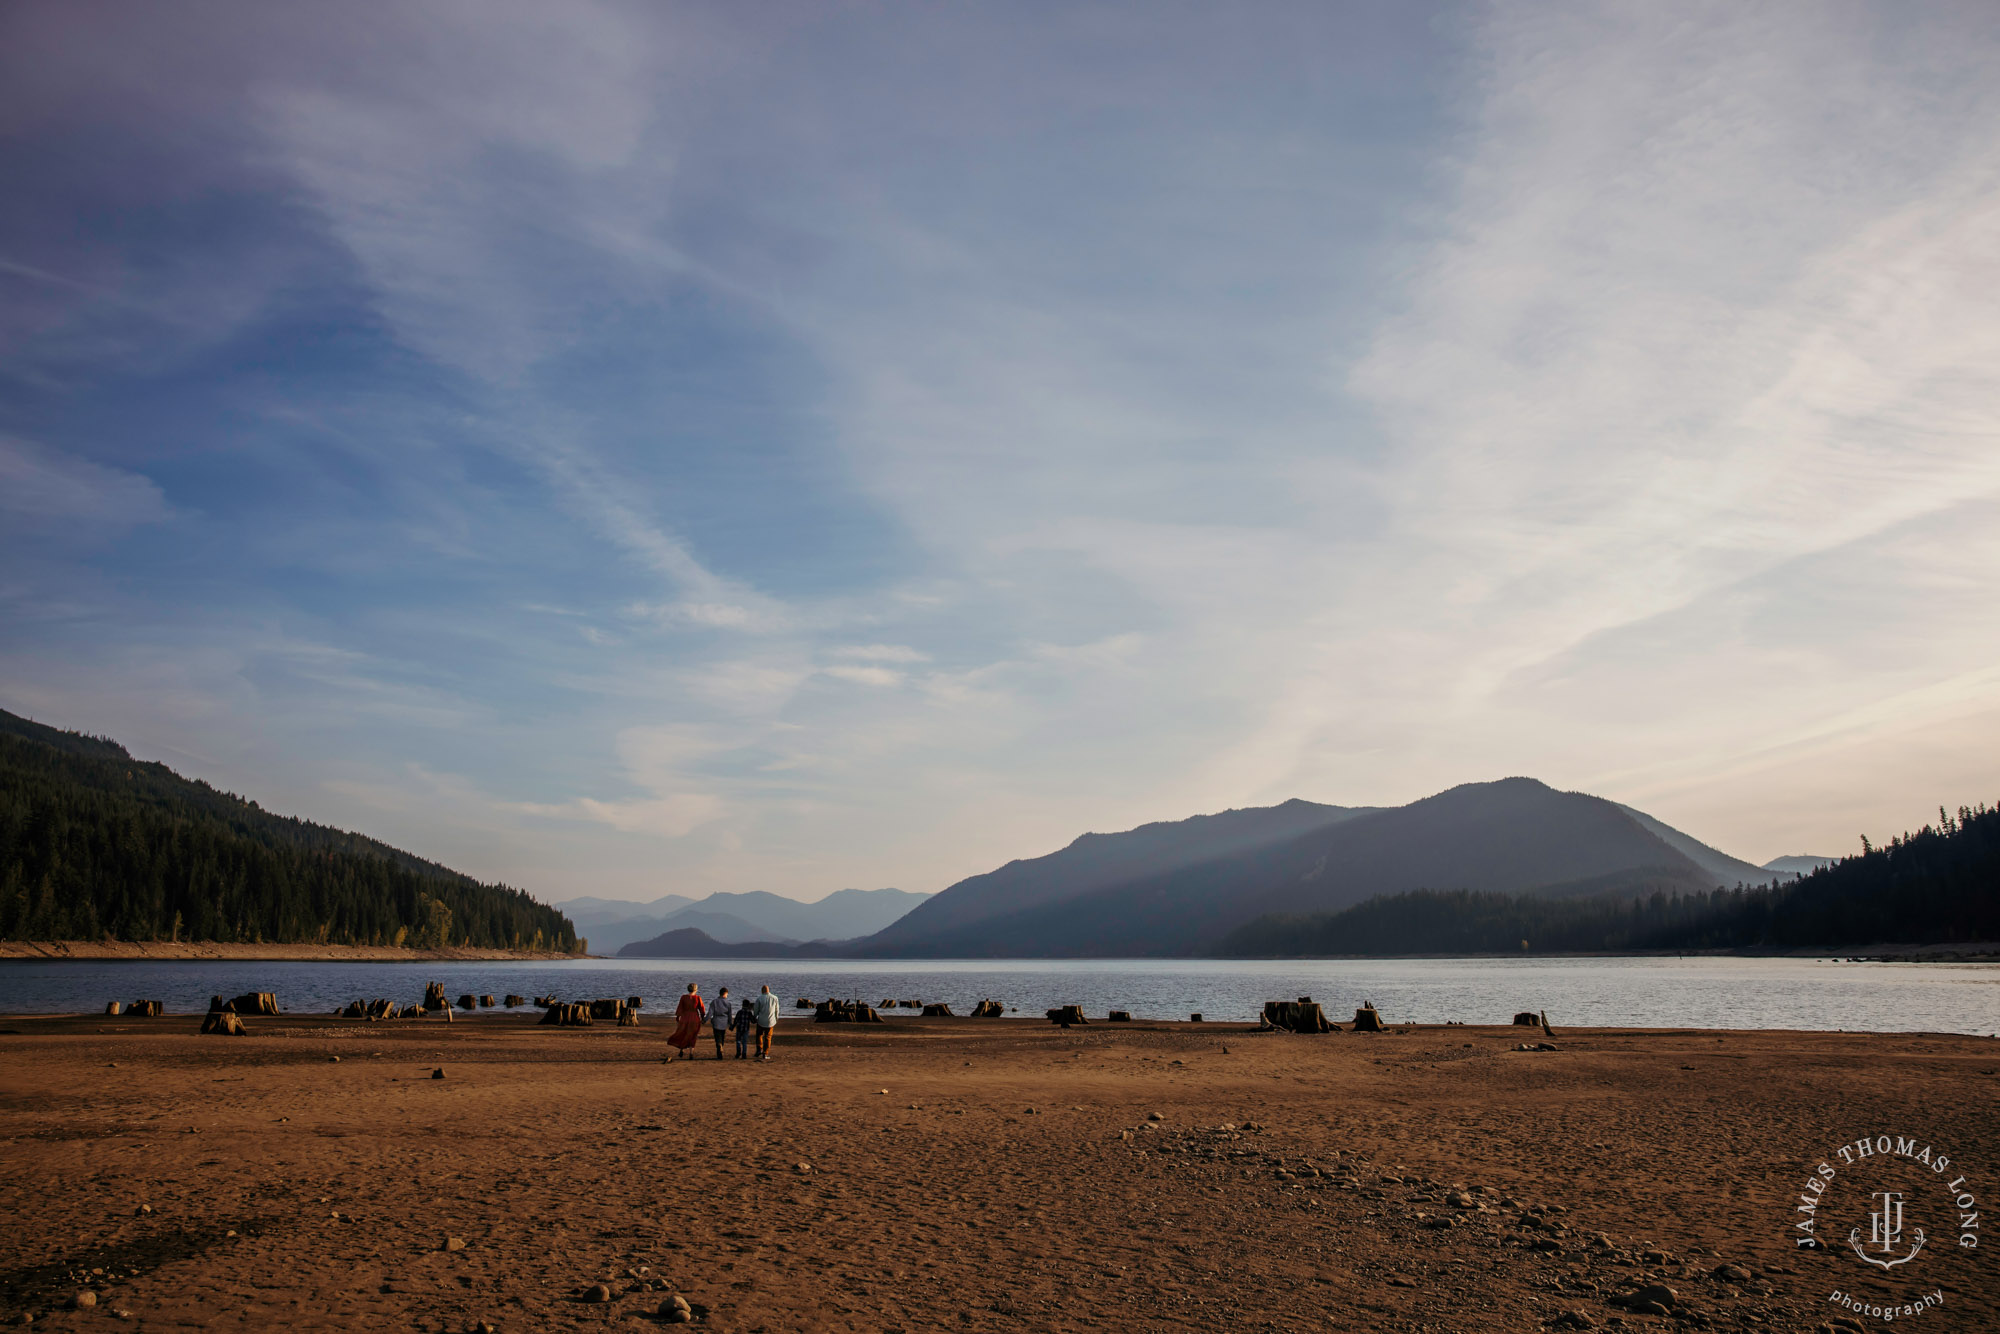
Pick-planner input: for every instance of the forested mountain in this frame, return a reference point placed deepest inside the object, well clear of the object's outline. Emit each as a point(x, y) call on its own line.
point(976, 916)
point(1196, 881)
point(1940, 885)
point(94, 843)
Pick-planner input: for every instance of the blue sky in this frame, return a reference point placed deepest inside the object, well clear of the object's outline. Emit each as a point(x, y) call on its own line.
point(632, 449)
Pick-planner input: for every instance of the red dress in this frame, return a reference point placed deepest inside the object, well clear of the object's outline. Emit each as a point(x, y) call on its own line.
point(687, 1021)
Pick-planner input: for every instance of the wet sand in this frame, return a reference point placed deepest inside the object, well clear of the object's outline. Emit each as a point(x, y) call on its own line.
point(958, 1175)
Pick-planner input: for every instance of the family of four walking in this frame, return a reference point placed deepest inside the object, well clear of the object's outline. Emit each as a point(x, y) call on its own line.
point(758, 1016)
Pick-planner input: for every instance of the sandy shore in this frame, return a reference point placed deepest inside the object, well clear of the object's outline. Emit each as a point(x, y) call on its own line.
point(170, 950)
point(962, 1175)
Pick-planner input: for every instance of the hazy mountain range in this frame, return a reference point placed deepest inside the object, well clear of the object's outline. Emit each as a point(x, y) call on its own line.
point(1178, 888)
point(611, 924)
point(1181, 887)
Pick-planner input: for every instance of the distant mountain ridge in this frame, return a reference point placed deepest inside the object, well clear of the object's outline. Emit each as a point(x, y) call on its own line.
point(972, 914)
point(1798, 864)
point(735, 918)
point(1178, 889)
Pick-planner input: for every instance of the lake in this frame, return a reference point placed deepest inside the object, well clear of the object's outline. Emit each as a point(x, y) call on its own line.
point(1591, 992)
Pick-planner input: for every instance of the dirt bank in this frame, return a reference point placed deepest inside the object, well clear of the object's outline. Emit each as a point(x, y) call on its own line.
point(965, 1175)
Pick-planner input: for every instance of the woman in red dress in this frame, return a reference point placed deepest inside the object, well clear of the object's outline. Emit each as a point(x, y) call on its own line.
point(687, 1022)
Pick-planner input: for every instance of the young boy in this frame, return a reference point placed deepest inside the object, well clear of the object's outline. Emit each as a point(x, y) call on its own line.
point(746, 1024)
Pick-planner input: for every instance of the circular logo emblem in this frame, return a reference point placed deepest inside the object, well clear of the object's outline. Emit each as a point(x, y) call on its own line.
point(1886, 1207)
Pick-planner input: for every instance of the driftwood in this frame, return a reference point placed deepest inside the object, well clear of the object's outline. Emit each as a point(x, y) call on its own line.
point(845, 1012)
point(372, 1009)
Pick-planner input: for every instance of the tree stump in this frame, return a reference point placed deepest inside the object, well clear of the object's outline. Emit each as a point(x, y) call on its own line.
point(1367, 1020)
point(224, 1022)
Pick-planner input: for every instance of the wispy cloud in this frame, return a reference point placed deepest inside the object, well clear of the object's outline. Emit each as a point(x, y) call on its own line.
point(860, 448)
point(47, 490)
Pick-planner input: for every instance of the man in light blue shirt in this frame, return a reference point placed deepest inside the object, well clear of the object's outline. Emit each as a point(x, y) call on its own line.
point(767, 1019)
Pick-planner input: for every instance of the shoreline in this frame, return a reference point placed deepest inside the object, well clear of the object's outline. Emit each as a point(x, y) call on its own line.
point(163, 951)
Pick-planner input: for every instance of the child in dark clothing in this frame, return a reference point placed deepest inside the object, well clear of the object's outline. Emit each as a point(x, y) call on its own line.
point(745, 1024)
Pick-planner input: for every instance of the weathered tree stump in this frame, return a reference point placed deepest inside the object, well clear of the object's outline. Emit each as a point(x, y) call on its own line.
point(145, 1009)
point(988, 1009)
point(567, 1014)
point(434, 996)
point(1299, 1016)
point(608, 1007)
point(1367, 1020)
point(224, 1022)
point(112, 1007)
point(1118, 1017)
point(255, 1002)
point(938, 1011)
point(1527, 1019)
point(514, 1002)
point(1066, 1015)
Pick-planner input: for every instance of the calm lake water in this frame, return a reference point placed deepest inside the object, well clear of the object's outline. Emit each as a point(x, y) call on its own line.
point(1646, 993)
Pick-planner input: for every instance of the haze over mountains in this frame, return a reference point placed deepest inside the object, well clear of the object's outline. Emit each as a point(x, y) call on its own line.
point(610, 925)
point(80, 809)
point(1167, 889)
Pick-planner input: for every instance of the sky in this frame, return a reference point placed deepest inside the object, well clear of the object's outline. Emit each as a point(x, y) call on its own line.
point(631, 449)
